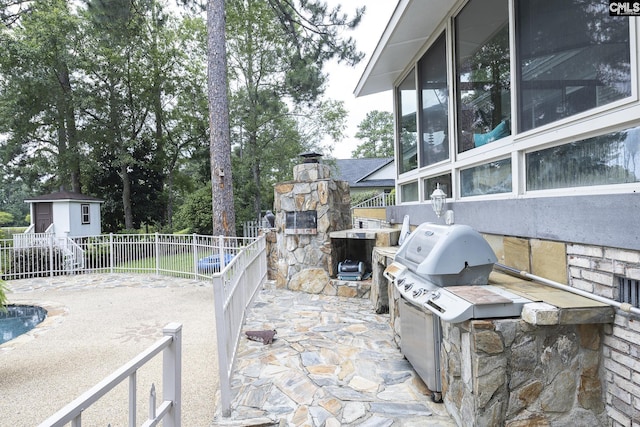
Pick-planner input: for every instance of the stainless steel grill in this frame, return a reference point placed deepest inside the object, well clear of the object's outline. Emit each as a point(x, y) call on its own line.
point(443, 270)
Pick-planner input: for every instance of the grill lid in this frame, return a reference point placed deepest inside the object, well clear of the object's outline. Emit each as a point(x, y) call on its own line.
point(447, 255)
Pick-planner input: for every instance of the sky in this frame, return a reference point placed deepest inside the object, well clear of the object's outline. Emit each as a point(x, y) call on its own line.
point(343, 79)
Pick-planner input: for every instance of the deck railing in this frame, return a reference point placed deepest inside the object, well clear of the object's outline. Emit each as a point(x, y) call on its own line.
point(169, 411)
point(379, 201)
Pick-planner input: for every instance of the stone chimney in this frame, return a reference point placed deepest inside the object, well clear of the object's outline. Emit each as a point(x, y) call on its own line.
point(307, 209)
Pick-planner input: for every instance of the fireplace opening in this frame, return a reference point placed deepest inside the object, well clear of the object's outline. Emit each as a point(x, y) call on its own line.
point(349, 252)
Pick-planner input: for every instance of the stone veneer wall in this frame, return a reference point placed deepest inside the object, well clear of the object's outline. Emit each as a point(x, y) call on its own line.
point(593, 269)
point(306, 260)
point(272, 253)
point(511, 373)
point(596, 269)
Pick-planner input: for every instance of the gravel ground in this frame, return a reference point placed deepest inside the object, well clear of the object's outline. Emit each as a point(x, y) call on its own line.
point(95, 325)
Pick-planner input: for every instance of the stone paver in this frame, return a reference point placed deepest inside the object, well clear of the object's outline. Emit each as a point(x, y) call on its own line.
point(333, 363)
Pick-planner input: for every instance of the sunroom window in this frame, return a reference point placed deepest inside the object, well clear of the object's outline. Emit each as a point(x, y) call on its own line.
point(607, 159)
point(444, 181)
point(434, 98)
point(489, 178)
point(409, 192)
point(572, 57)
point(407, 124)
point(483, 73)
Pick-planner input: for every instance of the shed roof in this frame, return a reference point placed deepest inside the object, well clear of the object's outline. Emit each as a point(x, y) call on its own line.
point(63, 196)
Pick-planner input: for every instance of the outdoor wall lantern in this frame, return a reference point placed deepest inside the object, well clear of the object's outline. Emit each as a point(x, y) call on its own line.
point(438, 199)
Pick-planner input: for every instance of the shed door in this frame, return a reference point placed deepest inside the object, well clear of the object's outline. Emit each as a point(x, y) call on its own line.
point(44, 216)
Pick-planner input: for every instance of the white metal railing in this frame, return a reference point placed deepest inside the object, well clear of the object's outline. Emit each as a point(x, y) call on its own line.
point(379, 201)
point(237, 267)
point(358, 222)
point(29, 240)
point(188, 256)
point(234, 288)
point(74, 256)
point(169, 411)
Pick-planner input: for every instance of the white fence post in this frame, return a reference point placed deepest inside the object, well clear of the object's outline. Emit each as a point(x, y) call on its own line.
point(51, 257)
point(157, 254)
point(219, 297)
point(195, 255)
point(221, 251)
point(111, 254)
point(172, 374)
point(133, 403)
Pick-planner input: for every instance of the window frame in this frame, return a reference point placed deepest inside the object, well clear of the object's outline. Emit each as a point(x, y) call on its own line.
point(85, 213)
point(617, 115)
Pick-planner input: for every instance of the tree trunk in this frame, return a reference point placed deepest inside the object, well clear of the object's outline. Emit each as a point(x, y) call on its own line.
point(224, 219)
point(126, 198)
point(73, 155)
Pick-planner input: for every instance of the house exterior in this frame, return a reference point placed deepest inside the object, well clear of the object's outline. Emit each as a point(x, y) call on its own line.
point(366, 174)
point(65, 214)
point(526, 113)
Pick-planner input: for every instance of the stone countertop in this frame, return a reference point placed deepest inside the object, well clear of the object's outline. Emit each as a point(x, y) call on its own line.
point(388, 251)
point(551, 306)
point(367, 233)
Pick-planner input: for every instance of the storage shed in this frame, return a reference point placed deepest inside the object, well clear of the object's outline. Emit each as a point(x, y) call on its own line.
point(65, 214)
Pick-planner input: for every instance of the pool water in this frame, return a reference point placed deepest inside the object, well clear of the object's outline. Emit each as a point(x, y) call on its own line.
point(18, 320)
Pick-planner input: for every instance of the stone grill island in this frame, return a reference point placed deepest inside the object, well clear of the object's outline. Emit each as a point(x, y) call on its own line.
point(307, 210)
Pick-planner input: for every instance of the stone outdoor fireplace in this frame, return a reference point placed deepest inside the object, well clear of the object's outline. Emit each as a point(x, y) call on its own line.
point(307, 210)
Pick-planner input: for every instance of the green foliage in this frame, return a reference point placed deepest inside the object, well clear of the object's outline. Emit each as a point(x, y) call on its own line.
point(195, 212)
point(35, 262)
point(3, 296)
point(8, 232)
point(97, 252)
point(5, 219)
point(275, 102)
point(108, 97)
point(376, 130)
point(361, 197)
point(109, 100)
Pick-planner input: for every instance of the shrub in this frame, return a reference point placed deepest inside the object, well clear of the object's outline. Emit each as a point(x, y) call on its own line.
point(35, 262)
point(3, 296)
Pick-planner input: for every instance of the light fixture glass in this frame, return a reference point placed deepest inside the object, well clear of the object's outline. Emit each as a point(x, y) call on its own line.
point(438, 198)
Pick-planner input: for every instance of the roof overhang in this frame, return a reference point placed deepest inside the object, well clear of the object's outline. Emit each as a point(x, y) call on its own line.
point(411, 25)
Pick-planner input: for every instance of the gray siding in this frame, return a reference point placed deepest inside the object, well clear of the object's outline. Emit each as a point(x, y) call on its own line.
point(603, 220)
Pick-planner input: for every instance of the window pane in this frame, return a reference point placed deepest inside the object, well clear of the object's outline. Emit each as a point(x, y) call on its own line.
point(491, 178)
point(409, 192)
point(408, 131)
point(483, 73)
point(572, 56)
point(435, 99)
point(607, 159)
point(431, 184)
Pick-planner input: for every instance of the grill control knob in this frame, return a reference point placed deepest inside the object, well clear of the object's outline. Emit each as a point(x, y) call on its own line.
point(399, 282)
point(408, 286)
point(434, 295)
point(418, 292)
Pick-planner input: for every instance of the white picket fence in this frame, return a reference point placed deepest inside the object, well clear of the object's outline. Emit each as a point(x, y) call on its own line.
point(169, 411)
